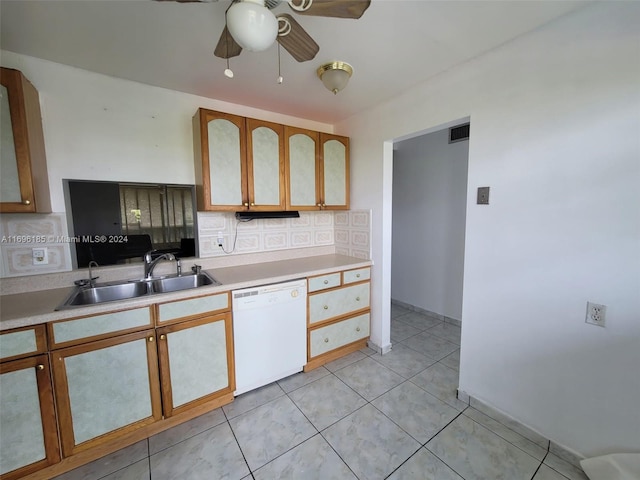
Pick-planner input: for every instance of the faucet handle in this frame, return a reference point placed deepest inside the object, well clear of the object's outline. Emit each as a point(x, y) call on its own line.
point(148, 255)
point(196, 269)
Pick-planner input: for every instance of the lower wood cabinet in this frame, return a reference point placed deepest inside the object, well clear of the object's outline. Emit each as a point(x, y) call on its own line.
point(105, 389)
point(338, 318)
point(196, 362)
point(28, 434)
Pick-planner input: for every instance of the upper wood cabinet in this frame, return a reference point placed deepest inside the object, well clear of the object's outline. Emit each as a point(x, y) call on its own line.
point(317, 167)
point(334, 168)
point(239, 162)
point(265, 165)
point(302, 160)
point(24, 183)
point(220, 160)
point(248, 164)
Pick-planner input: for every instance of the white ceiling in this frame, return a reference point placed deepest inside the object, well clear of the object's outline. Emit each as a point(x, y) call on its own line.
point(394, 46)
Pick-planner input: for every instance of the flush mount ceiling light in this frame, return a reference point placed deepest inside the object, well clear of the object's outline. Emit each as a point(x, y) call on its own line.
point(335, 75)
point(252, 25)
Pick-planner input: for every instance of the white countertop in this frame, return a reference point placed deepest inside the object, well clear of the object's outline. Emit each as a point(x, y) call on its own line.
point(32, 308)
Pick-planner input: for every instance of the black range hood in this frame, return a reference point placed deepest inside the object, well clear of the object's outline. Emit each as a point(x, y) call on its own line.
point(246, 216)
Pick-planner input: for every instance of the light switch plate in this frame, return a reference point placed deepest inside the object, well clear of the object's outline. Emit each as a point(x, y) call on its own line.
point(483, 196)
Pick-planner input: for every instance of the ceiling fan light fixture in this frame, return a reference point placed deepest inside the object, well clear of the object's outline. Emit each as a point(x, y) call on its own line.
point(335, 75)
point(252, 25)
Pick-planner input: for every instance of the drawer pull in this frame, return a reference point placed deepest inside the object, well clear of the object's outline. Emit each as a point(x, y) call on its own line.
point(326, 282)
point(357, 329)
point(357, 299)
point(357, 275)
point(40, 367)
point(326, 340)
point(326, 307)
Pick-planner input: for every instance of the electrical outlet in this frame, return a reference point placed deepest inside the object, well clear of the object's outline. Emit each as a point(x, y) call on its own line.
point(220, 239)
point(40, 256)
point(596, 314)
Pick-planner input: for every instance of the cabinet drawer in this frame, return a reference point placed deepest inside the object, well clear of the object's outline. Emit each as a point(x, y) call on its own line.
point(193, 306)
point(353, 276)
point(324, 281)
point(99, 325)
point(22, 342)
point(324, 306)
point(325, 339)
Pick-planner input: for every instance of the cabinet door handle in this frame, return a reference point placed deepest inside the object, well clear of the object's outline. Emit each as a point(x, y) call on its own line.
point(326, 307)
point(326, 340)
point(163, 336)
point(150, 339)
point(319, 205)
point(357, 329)
point(246, 204)
point(40, 366)
point(27, 202)
point(253, 204)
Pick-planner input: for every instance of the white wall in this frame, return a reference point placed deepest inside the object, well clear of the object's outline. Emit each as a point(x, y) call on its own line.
point(429, 214)
point(556, 129)
point(103, 128)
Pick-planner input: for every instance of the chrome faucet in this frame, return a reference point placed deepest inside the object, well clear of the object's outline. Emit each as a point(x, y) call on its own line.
point(150, 263)
point(92, 263)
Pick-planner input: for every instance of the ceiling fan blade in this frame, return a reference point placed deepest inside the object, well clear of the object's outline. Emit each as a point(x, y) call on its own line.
point(333, 8)
point(297, 42)
point(227, 47)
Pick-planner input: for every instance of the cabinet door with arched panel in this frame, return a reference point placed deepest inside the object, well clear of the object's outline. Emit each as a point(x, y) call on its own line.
point(220, 160)
point(334, 154)
point(302, 154)
point(265, 165)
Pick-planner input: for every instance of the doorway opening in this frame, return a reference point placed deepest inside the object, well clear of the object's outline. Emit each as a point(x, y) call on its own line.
point(428, 229)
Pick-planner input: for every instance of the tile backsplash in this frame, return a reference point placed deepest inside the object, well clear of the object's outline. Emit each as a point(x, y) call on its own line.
point(312, 229)
point(352, 233)
point(348, 231)
point(21, 233)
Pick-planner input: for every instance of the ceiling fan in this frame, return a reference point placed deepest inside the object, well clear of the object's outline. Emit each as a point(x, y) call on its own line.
point(251, 25)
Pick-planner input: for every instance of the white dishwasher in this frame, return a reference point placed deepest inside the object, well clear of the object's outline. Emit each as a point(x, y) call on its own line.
point(269, 333)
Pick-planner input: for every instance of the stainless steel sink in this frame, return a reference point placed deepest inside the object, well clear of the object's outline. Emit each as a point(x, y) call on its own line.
point(128, 289)
point(183, 282)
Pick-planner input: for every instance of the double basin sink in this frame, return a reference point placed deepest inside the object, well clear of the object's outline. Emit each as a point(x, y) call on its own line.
point(108, 292)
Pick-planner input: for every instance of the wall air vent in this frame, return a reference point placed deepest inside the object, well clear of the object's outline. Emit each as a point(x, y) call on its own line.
point(459, 133)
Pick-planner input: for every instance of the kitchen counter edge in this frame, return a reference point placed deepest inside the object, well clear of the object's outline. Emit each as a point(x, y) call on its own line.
point(34, 308)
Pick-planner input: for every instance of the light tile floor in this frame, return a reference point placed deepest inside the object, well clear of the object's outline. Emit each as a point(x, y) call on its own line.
point(364, 416)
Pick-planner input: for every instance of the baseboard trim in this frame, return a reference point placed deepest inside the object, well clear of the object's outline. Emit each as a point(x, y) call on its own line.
point(378, 349)
point(429, 313)
point(560, 451)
